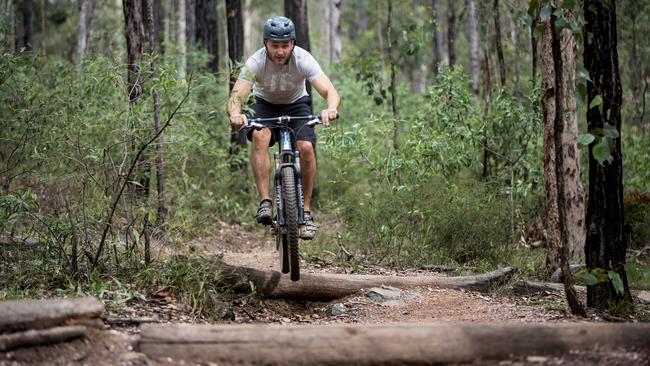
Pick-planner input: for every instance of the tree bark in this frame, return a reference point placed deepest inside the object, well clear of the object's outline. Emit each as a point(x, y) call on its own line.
point(207, 28)
point(395, 344)
point(552, 102)
point(606, 245)
point(574, 195)
point(451, 32)
point(326, 287)
point(248, 27)
point(473, 44)
point(487, 97)
point(499, 46)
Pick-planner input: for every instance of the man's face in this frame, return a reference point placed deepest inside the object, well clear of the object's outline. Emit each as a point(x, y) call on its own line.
point(279, 51)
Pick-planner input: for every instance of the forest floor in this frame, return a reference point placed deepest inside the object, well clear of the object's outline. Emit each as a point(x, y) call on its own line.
point(115, 344)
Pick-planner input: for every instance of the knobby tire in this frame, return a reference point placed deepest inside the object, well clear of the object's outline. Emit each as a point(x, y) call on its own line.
point(291, 217)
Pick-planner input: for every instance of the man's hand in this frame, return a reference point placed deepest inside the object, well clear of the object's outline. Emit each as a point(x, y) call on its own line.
point(238, 121)
point(328, 115)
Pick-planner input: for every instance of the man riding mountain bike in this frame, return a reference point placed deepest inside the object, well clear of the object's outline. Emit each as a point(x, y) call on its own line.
point(276, 74)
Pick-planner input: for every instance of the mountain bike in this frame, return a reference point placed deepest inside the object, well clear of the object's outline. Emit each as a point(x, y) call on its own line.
point(288, 196)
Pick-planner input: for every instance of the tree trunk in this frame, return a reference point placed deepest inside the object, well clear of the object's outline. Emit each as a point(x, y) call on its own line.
point(134, 29)
point(436, 343)
point(333, 30)
point(552, 102)
point(606, 245)
point(190, 12)
point(514, 34)
point(499, 46)
point(533, 46)
point(159, 15)
point(26, 40)
point(438, 37)
point(393, 83)
point(473, 44)
point(206, 31)
point(85, 16)
point(134, 26)
point(296, 10)
point(248, 27)
point(235, 53)
point(379, 29)
point(574, 195)
point(451, 32)
point(487, 97)
point(181, 39)
point(160, 143)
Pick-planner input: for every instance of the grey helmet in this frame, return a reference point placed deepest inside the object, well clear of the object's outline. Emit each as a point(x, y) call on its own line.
point(279, 29)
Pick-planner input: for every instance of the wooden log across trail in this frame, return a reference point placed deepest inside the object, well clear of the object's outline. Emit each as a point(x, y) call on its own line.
point(329, 286)
point(398, 344)
point(40, 314)
point(33, 322)
point(40, 336)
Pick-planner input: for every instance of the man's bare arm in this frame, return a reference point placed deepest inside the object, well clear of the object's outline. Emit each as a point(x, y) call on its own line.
point(238, 96)
point(326, 89)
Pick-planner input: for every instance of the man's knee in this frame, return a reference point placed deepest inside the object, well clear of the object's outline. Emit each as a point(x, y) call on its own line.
point(261, 139)
point(306, 149)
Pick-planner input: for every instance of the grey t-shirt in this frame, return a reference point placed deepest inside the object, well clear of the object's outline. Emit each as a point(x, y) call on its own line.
point(280, 84)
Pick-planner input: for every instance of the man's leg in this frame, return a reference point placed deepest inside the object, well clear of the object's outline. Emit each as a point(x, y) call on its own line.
point(308, 169)
point(260, 161)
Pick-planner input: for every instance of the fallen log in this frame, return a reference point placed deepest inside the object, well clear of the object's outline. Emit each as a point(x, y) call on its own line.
point(433, 343)
point(40, 314)
point(40, 336)
point(329, 286)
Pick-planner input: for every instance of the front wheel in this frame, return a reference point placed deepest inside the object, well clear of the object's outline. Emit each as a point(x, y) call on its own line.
point(291, 220)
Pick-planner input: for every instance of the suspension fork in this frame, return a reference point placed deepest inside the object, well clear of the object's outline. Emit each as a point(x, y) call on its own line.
point(288, 156)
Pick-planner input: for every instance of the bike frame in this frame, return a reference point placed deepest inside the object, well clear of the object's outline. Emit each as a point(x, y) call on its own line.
point(287, 155)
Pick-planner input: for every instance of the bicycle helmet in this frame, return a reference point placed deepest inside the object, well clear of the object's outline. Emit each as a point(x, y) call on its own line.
point(279, 29)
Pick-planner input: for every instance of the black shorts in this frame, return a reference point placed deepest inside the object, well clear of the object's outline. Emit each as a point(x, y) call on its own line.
point(301, 107)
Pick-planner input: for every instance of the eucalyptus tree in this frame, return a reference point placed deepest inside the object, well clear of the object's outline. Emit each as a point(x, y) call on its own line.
point(207, 31)
point(555, 185)
point(606, 243)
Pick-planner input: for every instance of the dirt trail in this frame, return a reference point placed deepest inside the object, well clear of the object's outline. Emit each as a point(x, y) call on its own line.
point(116, 344)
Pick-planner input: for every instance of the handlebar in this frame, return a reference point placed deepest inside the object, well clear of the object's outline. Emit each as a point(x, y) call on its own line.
point(283, 120)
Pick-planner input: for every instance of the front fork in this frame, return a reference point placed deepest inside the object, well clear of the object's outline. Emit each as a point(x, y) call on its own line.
point(279, 202)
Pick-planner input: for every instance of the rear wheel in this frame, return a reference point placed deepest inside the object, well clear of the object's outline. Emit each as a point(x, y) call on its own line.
point(291, 219)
